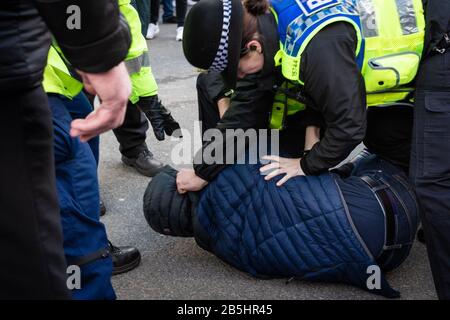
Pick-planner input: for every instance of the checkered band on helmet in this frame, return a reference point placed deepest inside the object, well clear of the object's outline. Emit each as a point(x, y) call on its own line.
point(220, 62)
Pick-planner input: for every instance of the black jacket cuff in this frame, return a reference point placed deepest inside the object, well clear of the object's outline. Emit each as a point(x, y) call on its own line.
point(208, 172)
point(305, 167)
point(102, 55)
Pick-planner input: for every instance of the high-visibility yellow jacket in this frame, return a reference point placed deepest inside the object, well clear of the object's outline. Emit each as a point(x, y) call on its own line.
point(57, 77)
point(137, 61)
point(390, 43)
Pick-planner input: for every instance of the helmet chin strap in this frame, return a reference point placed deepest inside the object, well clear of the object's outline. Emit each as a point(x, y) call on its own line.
point(268, 29)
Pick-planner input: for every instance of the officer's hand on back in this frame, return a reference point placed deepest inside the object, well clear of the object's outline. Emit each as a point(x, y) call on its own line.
point(113, 88)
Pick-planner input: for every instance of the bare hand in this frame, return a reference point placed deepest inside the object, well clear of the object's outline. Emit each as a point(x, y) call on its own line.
point(187, 180)
point(113, 88)
point(290, 167)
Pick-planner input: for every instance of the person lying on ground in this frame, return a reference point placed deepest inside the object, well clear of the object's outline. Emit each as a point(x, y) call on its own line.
point(340, 226)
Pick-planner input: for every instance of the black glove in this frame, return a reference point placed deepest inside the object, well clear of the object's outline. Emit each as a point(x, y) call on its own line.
point(159, 117)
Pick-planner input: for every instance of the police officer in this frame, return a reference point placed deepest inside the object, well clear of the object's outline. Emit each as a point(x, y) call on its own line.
point(32, 260)
point(85, 240)
point(336, 58)
point(143, 100)
point(430, 158)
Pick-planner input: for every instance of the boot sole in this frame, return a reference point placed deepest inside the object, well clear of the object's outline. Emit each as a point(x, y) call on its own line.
point(147, 173)
point(126, 268)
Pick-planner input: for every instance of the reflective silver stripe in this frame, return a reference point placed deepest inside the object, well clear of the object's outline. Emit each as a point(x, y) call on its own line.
point(368, 18)
point(135, 65)
point(407, 16)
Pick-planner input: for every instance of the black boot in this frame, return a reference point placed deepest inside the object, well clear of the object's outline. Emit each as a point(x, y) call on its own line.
point(144, 163)
point(124, 258)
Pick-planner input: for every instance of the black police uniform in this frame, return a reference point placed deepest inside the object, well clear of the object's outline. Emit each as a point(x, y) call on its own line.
point(340, 98)
point(430, 158)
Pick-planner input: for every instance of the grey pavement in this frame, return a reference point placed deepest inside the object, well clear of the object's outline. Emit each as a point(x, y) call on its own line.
point(175, 268)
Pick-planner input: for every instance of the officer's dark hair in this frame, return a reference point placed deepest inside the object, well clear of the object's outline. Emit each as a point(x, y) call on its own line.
point(253, 9)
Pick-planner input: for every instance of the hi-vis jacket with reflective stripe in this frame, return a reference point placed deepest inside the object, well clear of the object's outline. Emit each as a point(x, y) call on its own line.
point(137, 61)
point(57, 77)
point(390, 43)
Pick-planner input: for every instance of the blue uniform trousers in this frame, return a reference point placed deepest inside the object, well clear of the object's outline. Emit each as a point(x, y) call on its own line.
point(85, 240)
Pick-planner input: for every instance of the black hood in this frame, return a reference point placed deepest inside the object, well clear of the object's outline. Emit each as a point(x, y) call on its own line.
point(166, 211)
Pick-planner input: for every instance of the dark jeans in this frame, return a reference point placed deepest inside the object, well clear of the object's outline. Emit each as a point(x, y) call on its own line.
point(430, 164)
point(367, 213)
point(181, 9)
point(133, 132)
point(32, 263)
point(143, 8)
point(167, 9)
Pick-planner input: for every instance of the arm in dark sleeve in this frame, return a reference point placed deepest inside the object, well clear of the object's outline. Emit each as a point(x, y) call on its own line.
point(208, 172)
point(336, 87)
point(101, 42)
point(313, 118)
point(249, 109)
point(216, 87)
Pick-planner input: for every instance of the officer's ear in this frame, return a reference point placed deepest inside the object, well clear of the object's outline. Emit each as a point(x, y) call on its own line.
point(254, 45)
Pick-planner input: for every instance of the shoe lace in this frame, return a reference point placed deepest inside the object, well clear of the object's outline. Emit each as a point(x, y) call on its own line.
point(113, 248)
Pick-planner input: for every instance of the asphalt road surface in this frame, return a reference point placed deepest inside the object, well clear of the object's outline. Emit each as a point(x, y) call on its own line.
point(175, 268)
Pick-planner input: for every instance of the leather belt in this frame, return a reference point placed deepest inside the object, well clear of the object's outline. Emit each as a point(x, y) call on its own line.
point(390, 242)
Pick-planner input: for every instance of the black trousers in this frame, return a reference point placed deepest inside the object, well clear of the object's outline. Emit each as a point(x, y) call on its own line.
point(133, 132)
point(32, 263)
point(430, 164)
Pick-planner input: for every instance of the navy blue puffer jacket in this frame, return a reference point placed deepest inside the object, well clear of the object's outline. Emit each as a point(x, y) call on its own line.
point(300, 230)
